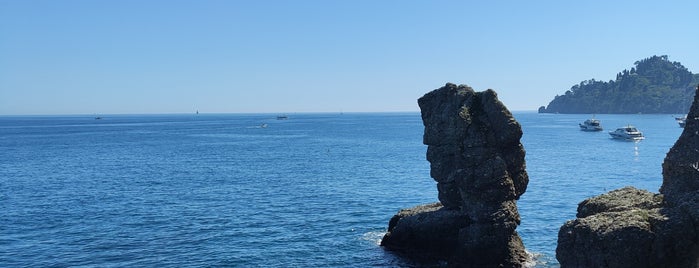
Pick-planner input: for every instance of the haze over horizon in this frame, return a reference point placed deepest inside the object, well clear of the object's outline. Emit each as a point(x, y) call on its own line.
point(215, 56)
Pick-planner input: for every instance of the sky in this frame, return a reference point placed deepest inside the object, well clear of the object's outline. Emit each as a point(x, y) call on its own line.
point(262, 56)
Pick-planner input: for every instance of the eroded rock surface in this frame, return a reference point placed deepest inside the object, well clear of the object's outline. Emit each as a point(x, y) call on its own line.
point(477, 159)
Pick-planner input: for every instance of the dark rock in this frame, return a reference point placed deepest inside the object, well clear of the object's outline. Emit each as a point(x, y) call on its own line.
point(416, 234)
point(626, 228)
point(624, 199)
point(477, 159)
point(635, 228)
point(681, 165)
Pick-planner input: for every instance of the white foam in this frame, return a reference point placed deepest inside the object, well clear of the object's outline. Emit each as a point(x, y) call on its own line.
point(373, 236)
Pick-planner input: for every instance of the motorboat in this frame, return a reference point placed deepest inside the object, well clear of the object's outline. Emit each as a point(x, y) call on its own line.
point(627, 133)
point(682, 120)
point(590, 125)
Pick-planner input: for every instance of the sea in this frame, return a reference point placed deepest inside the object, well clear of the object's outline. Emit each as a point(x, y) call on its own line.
point(249, 190)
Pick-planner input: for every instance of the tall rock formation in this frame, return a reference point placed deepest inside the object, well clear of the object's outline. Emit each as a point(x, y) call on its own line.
point(681, 167)
point(635, 228)
point(477, 159)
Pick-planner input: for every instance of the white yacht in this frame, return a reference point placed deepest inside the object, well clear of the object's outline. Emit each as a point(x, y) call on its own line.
point(627, 133)
point(682, 120)
point(590, 125)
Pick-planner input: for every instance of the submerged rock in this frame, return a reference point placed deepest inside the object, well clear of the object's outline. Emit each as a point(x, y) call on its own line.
point(635, 228)
point(477, 159)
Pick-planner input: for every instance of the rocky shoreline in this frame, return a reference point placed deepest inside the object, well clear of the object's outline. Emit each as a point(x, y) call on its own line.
point(477, 160)
point(634, 228)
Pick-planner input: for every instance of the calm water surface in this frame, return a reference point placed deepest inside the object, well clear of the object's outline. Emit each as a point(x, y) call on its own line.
point(313, 190)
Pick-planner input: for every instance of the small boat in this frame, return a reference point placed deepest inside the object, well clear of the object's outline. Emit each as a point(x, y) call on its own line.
point(627, 133)
point(282, 117)
point(681, 120)
point(590, 125)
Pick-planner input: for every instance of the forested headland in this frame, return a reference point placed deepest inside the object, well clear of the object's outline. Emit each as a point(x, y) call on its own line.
point(654, 85)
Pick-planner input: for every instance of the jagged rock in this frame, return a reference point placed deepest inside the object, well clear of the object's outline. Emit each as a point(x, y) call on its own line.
point(477, 159)
point(416, 233)
point(623, 228)
point(635, 228)
point(624, 199)
point(681, 165)
point(681, 181)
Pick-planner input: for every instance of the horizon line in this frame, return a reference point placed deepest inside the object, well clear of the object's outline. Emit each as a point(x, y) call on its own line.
point(219, 113)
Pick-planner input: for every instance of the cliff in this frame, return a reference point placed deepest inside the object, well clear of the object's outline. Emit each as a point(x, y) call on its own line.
point(635, 228)
point(477, 159)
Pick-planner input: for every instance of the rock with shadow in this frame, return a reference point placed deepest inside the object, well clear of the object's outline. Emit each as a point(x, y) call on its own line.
point(477, 160)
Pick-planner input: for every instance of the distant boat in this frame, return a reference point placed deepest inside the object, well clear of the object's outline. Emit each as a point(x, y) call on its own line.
point(590, 125)
point(627, 133)
point(282, 117)
point(98, 118)
point(682, 120)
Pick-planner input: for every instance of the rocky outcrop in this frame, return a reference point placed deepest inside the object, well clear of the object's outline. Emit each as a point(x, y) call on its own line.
point(477, 159)
point(635, 228)
point(624, 228)
point(681, 167)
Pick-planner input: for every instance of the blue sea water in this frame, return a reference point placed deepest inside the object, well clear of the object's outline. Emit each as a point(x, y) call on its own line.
point(247, 190)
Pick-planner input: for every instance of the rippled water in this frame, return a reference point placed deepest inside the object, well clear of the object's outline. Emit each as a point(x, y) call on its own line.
point(313, 190)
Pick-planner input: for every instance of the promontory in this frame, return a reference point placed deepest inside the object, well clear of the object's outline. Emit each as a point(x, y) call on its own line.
point(654, 85)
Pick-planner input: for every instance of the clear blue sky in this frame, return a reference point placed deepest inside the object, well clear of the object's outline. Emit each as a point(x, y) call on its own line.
point(170, 56)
